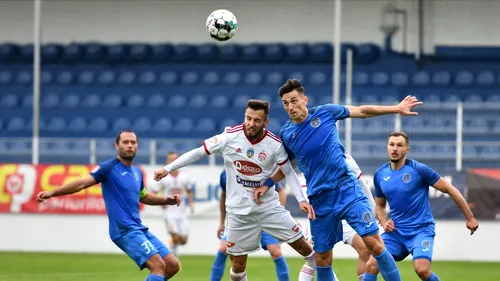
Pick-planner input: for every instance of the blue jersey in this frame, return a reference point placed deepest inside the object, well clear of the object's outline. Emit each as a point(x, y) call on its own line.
point(407, 191)
point(121, 189)
point(316, 146)
point(222, 182)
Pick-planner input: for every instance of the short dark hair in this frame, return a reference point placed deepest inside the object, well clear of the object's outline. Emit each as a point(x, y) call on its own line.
point(118, 136)
point(259, 105)
point(400, 134)
point(289, 86)
point(171, 153)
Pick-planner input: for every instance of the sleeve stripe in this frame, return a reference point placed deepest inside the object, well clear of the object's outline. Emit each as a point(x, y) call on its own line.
point(360, 174)
point(282, 163)
point(206, 149)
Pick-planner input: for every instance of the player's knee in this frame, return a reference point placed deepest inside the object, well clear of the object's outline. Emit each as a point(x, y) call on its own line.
point(374, 244)
point(172, 266)
point(275, 251)
point(156, 265)
point(422, 270)
point(238, 264)
point(183, 240)
point(324, 259)
point(371, 266)
point(364, 255)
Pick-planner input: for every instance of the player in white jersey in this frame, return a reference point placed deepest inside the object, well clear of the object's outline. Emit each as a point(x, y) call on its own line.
point(350, 236)
point(250, 152)
point(176, 218)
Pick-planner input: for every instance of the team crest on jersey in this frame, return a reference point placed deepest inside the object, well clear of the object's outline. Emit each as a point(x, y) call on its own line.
point(136, 176)
point(262, 156)
point(406, 178)
point(315, 122)
point(367, 217)
point(250, 152)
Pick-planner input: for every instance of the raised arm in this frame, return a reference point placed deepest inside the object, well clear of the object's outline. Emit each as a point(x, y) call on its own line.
point(69, 188)
point(367, 111)
point(183, 160)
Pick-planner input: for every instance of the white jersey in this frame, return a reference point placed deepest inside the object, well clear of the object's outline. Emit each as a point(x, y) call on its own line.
point(172, 185)
point(248, 165)
point(351, 163)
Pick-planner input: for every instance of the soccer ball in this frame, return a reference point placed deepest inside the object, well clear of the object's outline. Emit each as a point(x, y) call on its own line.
point(222, 25)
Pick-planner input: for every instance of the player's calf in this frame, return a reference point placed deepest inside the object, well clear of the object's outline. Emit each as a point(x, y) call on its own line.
point(238, 268)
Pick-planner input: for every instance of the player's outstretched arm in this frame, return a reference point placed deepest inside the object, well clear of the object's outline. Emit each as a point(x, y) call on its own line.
point(152, 199)
point(446, 187)
point(69, 188)
point(403, 108)
point(185, 159)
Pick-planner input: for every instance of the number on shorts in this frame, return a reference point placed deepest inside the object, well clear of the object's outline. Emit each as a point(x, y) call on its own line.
point(148, 246)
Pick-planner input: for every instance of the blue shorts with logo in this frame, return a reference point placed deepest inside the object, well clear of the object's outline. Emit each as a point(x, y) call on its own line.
point(141, 245)
point(419, 243)
point(265, 240)
point(348, 202)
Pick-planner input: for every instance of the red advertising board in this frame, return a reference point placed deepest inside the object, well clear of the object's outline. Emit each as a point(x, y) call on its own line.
point(20, 183)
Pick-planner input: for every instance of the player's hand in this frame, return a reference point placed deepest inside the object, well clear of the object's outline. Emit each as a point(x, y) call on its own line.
point(173, 200)
point(44, 195)
point(406, 105)
point(258, 193)
point(472, 224)
point(389, 226)
point(220, 231)
point(160, 173)
point(307, 208)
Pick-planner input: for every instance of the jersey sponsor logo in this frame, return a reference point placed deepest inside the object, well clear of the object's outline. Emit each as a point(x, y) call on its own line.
point(315, 122)
point(250, 152)
point(247, 168)
point(238, 150)
point(406, 178)
point(262, 156)
point(247, 183)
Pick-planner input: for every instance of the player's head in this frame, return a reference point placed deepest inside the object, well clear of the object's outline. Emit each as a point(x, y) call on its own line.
point(256, 118)
point(398, 146)
point(171, 156)
point(126, 144)
point(294, 99)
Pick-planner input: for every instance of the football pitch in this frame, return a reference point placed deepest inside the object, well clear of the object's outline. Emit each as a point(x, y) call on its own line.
point(16, 266)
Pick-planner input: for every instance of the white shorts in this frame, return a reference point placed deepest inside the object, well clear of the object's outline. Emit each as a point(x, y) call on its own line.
point(244, 231)
point(177, 225)
point(348, 233)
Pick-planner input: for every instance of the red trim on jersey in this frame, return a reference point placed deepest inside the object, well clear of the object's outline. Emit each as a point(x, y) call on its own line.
point(234, 131)
point(273, 136)
point(360, 174)
point(283, 162)
point(234, 128)
point(206, 149)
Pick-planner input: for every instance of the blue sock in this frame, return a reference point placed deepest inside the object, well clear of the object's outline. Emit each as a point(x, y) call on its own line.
point(282, 269)
point(218, 266)
point(324, 273)
point(388, 268)
point(369, 277)
point(153, 277)
point(433, 277)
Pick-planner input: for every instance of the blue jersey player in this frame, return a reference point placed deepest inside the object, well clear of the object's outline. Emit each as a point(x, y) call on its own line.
point(123, 190)
point(404, 183)
point(267, 242)
point(311, 138)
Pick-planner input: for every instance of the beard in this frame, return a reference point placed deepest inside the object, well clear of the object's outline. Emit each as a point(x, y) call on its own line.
point(126, 155)
point(396, 160)
point(254, 134)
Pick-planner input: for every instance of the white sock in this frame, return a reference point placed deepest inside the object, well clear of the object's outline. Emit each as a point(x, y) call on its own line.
point(311, 260)
point(360, 277)
point(242, 276)
point(335, 277)
point(174, 250)
point(306, 273)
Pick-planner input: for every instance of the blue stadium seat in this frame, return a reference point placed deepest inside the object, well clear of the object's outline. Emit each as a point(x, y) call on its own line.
point(494, 98)
point(51, 53)
point(275, 78)
point(70, 100)
point(399, 79)
point(211, 78)
point(320, 52)
point(380, 79)
point(94, 52)
point(16, 124)
point(77, 124)
point(475, 125)
point(105, 147)
point(441, 78)
point(46, 77)
point(5, 77)
point(469, 151)
point(298, 75)
point(98, 125)
point(164, 147)
point(139, 52)
point(253, 78)
point(56, 124)
point(190, 78)
point(24, 78)
point(162, 125)
point(232, 78)
point(117, 53)
point(121, 123)
point(91, 100)
point(451, 98)
point(464, 78)
point(295, 53)
point(227, 123)
point(177, 101)
point(431, 99)
point(420, 78)
point(86, 77)
point(141, 124)
point(219, 101)
point(169, 78)
point(205, 125)
point(485, 78)
point(366, 53)
point(8, 52)
point(135, 101)
point(9, 101)
point(162, 52)
point(147, 78)
point(207, 52)
point(112, 101)
point(444, 151)
point(316, 78)
point(252, 53)
point(229, 52)
point(127, 78)
point(50, 100)
point(156, 101)
point(274, 52)
point(65, 77)
point(183, 125)
point(79, 146)
point(184, 53)
point(27, 101)
point(106, 77)
point(72, 53)
point(360, 78)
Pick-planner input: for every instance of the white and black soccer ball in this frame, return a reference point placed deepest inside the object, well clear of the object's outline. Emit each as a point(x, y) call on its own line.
point(222, 25)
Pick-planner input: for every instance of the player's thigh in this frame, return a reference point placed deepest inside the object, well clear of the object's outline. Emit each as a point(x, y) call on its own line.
point(243, 234)
point(266, 239)
point(348, 233)
point(326, 229)
point(160, 247)
point(279, 223)
point(395, 245)
point(184, 227)
point(137, 246)
point(360, 217)
point(422, 245)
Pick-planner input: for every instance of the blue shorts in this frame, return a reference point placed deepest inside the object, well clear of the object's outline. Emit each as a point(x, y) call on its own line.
point(420, 245)
point(140, 246)
point(332, 206)
point(265, 240)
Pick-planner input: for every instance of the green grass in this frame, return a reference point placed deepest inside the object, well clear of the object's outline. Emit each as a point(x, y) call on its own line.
point(16, 266)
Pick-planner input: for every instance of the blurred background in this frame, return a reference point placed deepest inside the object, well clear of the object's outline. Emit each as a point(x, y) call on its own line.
point(74, 73)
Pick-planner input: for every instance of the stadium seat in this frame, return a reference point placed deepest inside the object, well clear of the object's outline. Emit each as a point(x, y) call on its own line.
point(190, 78)
point(106, 77)
point(50, 100)
point(156, 101)
point(91, 101)
point(205, 126)
point(16, 124)
point(5, 77)
point(65, 77)
point(441, 78)
point(232, 78)
point(159, 52)
point(77, 124)
point(136, 101)
point(169, 78)
point(464, 78)
point(380, 79)
point(198, 101)
point(8, 101)
point(121, 123)
point(147, 78)
point(399, 79)
point(420, 78)
point(485, 78)
point(183, 125)
point(253, 78)
point(98, 124)
point(207, 52)
point(112, 100)
point(219, 102)
point(56, 124)
point(251, 53)
point(211, 78)
point(141, 124)
point(162, 125)
point(177, 101)
point(274, 52)
point(295, 53)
